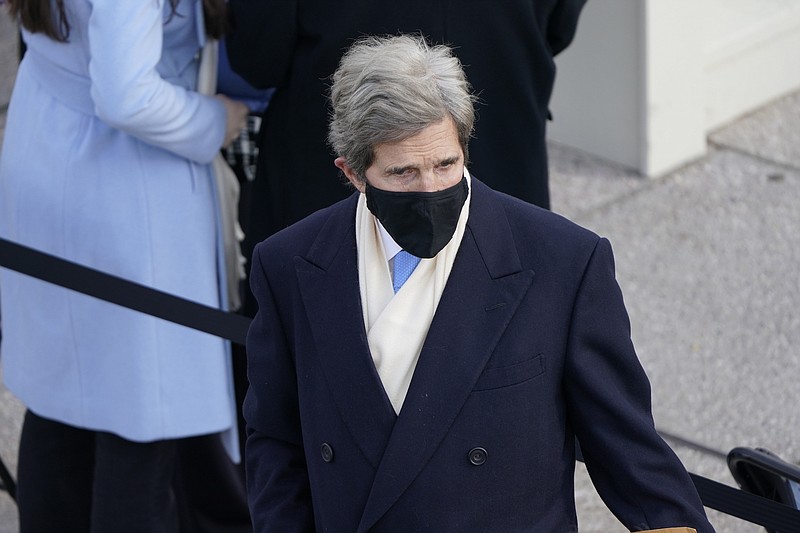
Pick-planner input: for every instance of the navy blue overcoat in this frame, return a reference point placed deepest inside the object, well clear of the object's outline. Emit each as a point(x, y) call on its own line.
point(529, 348)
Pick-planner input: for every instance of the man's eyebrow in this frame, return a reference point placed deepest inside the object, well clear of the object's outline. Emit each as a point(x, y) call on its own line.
point(449, 160)
point(399, 169)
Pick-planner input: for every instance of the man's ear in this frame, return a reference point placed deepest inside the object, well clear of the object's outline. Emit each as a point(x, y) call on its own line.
point(347, 170)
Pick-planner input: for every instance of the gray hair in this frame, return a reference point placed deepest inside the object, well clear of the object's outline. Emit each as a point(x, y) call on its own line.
point(388, 89)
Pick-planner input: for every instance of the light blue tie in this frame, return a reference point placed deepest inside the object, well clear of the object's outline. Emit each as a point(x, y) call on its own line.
point(404, 265)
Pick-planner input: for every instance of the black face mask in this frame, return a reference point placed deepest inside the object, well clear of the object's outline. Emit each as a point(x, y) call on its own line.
point(421, 222)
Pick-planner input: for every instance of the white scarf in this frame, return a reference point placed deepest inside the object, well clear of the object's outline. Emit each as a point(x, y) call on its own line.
point(397, 324)
point(227, 189)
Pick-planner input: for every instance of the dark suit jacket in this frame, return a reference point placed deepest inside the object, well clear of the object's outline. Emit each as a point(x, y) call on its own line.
point(529, 348)
point(506, 47)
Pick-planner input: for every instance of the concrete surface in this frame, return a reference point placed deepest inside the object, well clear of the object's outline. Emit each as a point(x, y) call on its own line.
point(707, 259)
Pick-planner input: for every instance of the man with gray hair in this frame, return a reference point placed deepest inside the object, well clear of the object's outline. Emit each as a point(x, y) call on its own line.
point(427, 351)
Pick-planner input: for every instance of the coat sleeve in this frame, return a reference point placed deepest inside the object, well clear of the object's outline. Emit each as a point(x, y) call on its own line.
point(562, 24)
point(125, 40)
point(277, 478)
point(638, 476)
point(262, 42)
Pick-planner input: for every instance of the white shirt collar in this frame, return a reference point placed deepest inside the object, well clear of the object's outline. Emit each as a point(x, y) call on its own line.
point(389, 246)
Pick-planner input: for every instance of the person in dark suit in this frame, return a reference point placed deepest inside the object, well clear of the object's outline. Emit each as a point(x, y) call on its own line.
point(507, 49)
point(426, 351)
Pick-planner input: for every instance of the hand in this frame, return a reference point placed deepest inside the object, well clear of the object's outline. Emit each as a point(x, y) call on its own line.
point(235, 118)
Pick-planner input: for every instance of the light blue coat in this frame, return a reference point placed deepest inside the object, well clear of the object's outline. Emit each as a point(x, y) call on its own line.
point(105, 162)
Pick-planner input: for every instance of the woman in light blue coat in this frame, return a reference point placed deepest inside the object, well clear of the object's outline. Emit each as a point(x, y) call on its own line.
point(105, 163)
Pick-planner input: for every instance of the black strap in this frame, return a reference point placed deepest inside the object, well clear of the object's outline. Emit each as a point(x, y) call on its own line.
point(714, 495)
point(122, 292)
point(756, 509)
point(8, 483)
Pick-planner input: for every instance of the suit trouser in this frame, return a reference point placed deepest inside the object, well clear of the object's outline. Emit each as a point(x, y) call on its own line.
point(77, 480)
point(210, 488)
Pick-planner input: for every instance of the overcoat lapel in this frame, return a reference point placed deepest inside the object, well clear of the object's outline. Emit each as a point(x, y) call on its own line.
point(328, 280)
point(484, 290)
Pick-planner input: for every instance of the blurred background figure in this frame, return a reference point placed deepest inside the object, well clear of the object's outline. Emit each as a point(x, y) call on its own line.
point(507, 49)
point(105, 163)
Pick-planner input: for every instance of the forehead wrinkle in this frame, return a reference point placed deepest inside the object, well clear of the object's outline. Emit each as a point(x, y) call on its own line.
point(430, 148)
point(392, 168)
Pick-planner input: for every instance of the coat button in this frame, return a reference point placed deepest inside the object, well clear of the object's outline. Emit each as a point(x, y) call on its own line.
point(327, 452)
point(477, 456)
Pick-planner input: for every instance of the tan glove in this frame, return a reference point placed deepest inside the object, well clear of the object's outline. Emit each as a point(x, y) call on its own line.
point(671, 530)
